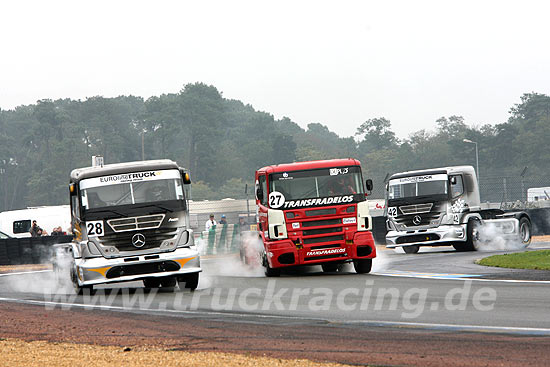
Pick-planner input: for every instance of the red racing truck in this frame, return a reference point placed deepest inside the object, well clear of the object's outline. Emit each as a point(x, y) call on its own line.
point(314, 213)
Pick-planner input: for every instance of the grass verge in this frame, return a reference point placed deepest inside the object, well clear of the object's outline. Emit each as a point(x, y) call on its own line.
point(539, 260)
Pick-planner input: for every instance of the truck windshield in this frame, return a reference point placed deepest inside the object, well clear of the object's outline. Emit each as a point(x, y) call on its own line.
point(317, 183)
point(131, 188)
point(409, 187)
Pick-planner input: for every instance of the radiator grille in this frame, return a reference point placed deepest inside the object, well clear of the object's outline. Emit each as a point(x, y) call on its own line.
point(135, 223)
point(416, 209)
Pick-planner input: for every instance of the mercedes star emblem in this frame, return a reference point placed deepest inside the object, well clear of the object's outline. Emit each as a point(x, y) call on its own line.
point(417, 220)
point(138, 240)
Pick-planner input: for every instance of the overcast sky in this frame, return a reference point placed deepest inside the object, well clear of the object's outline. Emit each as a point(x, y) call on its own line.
point(337, 63)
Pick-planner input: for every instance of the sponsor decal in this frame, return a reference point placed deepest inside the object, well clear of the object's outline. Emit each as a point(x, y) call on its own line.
point(129, 177)
point(330, 251)
point(349, 220)
point(318, 201)
point(338, 171)
point(423, 178)
point(126, 178)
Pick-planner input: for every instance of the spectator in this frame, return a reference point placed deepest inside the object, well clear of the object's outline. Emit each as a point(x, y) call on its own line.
point(57, 231)
point(223, 221)
point(211, 223)
point(243, 226)
point(36, 231)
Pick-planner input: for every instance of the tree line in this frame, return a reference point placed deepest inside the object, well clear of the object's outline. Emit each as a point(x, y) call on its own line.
point(223, 141)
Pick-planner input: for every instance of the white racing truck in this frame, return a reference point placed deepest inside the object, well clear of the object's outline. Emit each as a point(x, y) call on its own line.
point(441, 207)
point(130, 222)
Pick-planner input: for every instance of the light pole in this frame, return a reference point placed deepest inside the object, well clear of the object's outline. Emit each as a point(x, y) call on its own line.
point(477, 157)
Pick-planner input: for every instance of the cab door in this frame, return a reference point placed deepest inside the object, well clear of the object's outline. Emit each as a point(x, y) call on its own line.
point(261, 201)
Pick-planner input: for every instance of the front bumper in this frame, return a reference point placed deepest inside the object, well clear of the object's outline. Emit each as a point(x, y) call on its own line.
point(100, 270)
point(439, 236)
point(284, 253)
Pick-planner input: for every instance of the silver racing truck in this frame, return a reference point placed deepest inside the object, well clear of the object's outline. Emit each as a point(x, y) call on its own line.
point(441, 207)
point(130, 222)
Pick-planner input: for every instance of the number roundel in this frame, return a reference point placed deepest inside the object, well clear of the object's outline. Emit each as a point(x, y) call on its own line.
point(95, 228)
point(276, 200)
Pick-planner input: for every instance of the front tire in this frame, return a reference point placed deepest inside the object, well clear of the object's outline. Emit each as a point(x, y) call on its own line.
point(189, 281)
point(473, 243)
point(362, 266)
point(151, 282)
point(168, 282)
point(330, 267)
point(411, 249)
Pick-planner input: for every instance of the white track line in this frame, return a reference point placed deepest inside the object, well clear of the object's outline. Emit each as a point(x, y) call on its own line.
point(433, 276)
point(420, 325)
point(25, 272)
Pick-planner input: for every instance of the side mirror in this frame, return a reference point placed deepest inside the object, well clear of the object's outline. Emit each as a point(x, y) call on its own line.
point(260, 194)
point(185, 176)
point(453, 180)
point(369, 184)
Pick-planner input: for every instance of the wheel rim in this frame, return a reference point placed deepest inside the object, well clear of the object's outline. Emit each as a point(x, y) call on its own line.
point(475, 237)
point(525, 233)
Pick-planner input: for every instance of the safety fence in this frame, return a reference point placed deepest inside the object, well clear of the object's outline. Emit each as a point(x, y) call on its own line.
point(29, 250)
point(221, 239)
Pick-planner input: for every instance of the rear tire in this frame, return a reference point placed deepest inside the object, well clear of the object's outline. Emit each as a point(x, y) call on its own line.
point(330, 267)
point(524, 231)
point(411, 249)
point(362, 266)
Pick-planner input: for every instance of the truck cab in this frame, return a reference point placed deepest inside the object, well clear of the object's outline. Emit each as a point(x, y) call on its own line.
point(314, 213)
point(441, 207)
point(131, 222)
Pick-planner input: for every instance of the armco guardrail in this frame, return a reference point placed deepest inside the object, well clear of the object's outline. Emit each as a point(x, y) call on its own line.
point(29, 250)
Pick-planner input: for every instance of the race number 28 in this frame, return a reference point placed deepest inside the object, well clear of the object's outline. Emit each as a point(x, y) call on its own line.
point(94, 228)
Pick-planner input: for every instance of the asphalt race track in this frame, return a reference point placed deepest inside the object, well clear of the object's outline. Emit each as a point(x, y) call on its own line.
point(435, 291)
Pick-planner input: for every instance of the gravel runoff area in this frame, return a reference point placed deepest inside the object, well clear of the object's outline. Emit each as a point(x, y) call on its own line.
point(41, 353)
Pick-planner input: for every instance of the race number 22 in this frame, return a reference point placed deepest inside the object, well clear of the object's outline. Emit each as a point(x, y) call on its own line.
point(94, 228)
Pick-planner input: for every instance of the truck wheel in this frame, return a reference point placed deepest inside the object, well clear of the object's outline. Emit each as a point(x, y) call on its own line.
point(472, 240)
point(362, 266)
point(80, 289)
point(460, 246)
point(524, 231)
point(189, 281)
point(411, 249)
point(270, 272)
point(168, 282)
point(330, 267)
point(151, 282)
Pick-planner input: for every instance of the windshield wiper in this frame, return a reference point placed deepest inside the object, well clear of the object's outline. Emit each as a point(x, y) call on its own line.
point(155, 205)
point(93, 211)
